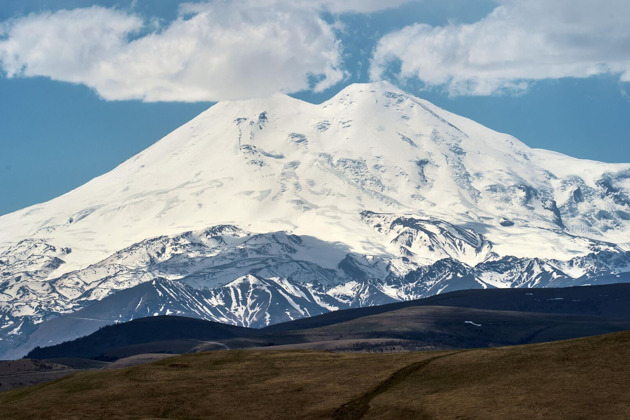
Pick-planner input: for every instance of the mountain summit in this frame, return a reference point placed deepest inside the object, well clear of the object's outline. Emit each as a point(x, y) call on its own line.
point(272, 209)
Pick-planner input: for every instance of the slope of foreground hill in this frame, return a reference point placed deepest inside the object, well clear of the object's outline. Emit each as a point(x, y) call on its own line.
point(582, 378)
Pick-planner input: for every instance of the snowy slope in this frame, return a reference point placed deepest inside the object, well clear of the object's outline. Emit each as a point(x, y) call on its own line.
point(372, 196)
point(283, 164)
point(231, 276)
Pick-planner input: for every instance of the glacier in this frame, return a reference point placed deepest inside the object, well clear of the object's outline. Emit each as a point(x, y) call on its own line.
point(268, 210)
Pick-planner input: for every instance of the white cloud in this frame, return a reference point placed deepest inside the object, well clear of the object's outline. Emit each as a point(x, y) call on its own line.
point(214, 51)
point(64, 44)
point(519, 42)
point(332, 6)
point(359, 6)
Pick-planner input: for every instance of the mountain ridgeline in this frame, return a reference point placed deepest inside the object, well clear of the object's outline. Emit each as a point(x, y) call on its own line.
point(265, 211)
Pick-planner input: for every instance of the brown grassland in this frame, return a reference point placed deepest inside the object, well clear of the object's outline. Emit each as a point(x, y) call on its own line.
point(581, 378)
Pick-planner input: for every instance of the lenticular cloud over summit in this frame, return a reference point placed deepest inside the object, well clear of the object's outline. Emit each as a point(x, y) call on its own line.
point(267, 210)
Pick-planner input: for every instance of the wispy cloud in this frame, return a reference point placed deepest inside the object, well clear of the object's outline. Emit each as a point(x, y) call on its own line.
point(519, 42)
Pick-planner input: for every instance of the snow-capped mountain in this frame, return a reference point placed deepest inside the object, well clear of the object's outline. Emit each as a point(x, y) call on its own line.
point(268, 210)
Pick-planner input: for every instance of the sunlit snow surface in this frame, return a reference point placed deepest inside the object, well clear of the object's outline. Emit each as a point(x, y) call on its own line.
point(367, 194)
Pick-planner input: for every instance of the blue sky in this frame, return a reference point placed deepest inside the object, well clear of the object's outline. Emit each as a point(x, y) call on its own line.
point(84, 85)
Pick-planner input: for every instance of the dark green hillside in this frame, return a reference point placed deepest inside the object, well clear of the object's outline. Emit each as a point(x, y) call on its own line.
point(142, 330)
point(611, 301)
point(461, 319)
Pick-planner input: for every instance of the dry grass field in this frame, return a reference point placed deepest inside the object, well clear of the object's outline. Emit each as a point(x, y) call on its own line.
point(20, 373)
point(581, 378)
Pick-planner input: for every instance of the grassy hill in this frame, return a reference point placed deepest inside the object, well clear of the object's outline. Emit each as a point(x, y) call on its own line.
point(435, 327)
point(609, 301)
point(463, 319)
point(182, 333)
point(581, 378)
